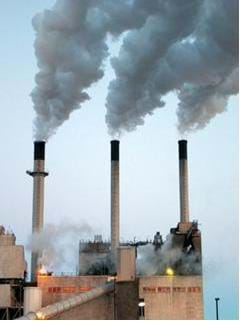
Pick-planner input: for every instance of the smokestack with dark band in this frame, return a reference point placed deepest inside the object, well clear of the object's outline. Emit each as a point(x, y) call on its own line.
point(38, 175)
point(183, 181)
point(114, 195)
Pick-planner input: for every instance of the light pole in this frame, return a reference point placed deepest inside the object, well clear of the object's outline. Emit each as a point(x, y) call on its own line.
point(217, 299)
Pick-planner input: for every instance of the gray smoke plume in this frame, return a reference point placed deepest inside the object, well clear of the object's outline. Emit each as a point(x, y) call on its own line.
point(190, 47)
point(58, 245)
point(70, 47)
point(187, 46)
point(154, 262)
point(70, 54)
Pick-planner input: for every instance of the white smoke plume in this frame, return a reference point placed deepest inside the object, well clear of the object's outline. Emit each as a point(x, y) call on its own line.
point(58, 245)
point(190, 47)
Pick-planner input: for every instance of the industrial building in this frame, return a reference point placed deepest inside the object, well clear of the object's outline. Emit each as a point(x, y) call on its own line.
point(13, 269)
point(111, 283)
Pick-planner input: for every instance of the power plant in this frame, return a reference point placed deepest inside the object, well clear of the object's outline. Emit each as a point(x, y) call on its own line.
point(169, 67)
point(148, 279)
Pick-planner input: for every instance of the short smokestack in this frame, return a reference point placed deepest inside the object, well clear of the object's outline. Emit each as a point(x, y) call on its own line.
point(38, 175)
point(183, 181)
point(114, 195)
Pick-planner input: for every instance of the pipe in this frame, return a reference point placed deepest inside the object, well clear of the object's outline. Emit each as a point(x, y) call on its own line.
point(183, 181)
point(114, 195)
point(51, 310)
point(38, 175)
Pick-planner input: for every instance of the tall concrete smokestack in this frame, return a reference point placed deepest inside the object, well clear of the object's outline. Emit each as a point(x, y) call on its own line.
point(114, 195)
point(183, 181)
point(38, 175)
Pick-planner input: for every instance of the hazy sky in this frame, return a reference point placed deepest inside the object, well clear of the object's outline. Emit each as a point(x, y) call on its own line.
point(77, 157)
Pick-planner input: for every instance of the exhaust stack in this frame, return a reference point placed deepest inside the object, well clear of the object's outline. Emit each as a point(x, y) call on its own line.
point(38, 175)
point(183, 181)
point(114, 195)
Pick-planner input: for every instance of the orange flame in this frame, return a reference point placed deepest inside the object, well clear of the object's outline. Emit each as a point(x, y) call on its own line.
point(42, 270)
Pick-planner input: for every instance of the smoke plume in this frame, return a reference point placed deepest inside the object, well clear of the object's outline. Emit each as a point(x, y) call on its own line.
point(71, 47)
point(70, 52)
point(154, 262)
point(58, 245)
point(190, 47)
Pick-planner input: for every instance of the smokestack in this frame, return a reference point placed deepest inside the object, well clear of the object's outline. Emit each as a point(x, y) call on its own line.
point(183, 181)
point(114, 195)
point(38, 175)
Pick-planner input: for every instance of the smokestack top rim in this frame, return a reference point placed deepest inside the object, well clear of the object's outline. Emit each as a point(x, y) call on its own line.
point(39, 141)
point(115, 150)
point(181, 141)
point(115, 141)
point(182, 149)
point(39, 150)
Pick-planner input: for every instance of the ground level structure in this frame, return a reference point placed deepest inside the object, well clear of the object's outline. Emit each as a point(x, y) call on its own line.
point(101, 297)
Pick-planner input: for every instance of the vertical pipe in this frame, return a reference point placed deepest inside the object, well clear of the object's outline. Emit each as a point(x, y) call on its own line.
point(38, 175)
point(183, 181)
point(114, 195)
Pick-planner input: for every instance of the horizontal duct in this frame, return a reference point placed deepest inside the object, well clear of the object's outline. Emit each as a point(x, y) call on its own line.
point(52, 310)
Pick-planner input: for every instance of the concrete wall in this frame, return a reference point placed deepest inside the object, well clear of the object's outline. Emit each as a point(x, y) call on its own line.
point(172, 298)
point(12, 262)
point(126, 300)
point(166, 297)
point(126, 266)
point(101, 308)
point(5, 296)
point(7, 239)
point(56, 288)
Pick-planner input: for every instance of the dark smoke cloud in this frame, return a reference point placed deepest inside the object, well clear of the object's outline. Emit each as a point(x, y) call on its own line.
point(188, 46)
